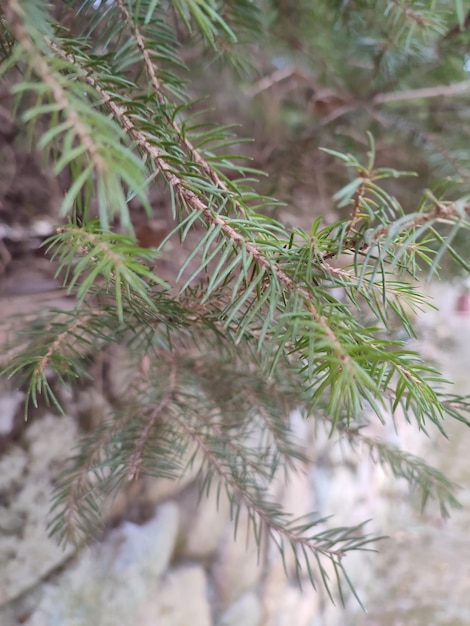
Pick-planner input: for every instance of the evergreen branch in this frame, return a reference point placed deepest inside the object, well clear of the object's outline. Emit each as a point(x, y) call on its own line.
point(415, 16)
point(113, 256)
point(103, 163)
point(157, 91)
point(268, 512)
point(442, 212)
point(269, 310)
point(199, 206)
point(156, 413)
point(58, 347)
point(75, 503)
point(15, 15)
point(356, 208)
point(227, 229)
point(414, 469)
point(278, 431)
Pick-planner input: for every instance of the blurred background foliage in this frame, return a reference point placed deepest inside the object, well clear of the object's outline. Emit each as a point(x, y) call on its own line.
point(326, 72)
point(296, 76)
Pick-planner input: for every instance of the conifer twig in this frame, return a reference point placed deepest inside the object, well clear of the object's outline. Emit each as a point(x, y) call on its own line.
point(439, 91)
point(251, 501)
point(14, 12)
point(157, 90)
point(155, 415)
point(203, 209)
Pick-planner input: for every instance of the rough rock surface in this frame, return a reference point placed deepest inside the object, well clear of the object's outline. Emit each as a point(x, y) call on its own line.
point(27, 554)
point(111, 584)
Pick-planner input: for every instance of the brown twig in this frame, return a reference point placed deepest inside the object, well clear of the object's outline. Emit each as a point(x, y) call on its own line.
point(442, 211)
point(273, 79)
point(424, 93)
point(356, 209)
point(440, 91)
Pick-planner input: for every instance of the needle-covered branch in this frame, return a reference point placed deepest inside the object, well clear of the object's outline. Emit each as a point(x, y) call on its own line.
point(239, 317)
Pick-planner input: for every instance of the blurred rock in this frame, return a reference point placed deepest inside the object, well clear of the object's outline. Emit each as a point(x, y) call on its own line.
point(272, 589)
point(10, 418)
point(246, 611)
point(146, 548)
point(27, 554)
point(158, 489)
point(299, 607)
point(237, 567)
point(112, 584)
point(181, 600)
point(204, 519)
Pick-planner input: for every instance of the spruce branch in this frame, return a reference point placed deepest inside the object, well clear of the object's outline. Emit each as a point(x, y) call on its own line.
point(192, 200)
point(356, 208)
point(442, 212)
point(415, 470)
point(411, 14)
point(254, 497)
point(157, 92)
point(76, 512)
point(114, 257)
point(15, 16)
point(155, 415)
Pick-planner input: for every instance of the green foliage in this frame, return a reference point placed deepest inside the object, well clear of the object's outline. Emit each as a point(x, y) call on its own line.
point(261, 318)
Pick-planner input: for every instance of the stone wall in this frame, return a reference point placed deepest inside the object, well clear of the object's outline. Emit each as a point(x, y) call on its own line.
point(169, 558)
point(182, 566)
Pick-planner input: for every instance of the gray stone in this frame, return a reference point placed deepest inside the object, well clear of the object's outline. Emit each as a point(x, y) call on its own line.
point(157, 490)
point(146, 548)
point(9, 403)
point(181, 600)
point(112, 584)
point(237, 565)
point(246, 611)
point(203, 522)
point(13, 465)
point(27, 554)
point(299, 607)
point(272, 589)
